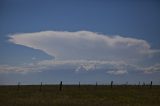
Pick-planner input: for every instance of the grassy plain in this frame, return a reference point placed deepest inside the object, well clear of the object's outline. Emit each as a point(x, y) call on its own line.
point(85, 95)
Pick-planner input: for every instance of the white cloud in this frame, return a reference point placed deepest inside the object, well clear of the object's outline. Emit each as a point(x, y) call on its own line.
point(118, 72)
point(110, 67)
point(84, 45)
point(20, 69)
point(78, 65)
point(151, 69)
point(86, 51)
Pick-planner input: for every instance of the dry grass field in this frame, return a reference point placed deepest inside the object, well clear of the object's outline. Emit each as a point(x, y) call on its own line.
point(73, 95)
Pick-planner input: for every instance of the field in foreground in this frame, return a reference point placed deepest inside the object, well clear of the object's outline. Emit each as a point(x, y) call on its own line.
point(86, 95)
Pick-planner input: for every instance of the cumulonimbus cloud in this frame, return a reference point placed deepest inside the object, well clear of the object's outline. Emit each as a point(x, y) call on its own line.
point(84, 45)
point(93, 48)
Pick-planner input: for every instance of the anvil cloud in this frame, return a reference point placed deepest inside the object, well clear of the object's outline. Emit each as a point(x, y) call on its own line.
point(88, 46)
point(84, 45)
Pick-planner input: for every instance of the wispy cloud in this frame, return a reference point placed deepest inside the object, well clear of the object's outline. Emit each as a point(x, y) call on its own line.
point(118, 72)
point(110, 67)
point(20, 69)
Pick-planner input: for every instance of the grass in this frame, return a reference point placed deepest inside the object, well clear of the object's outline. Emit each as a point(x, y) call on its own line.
point(85, 95)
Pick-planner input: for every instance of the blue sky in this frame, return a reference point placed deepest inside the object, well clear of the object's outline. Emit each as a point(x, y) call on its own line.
point(107, 39)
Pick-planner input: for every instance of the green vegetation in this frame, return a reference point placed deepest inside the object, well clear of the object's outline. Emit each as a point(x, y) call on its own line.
point(84, 95)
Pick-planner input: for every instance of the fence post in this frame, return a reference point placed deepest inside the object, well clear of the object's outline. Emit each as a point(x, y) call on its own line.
point(79, 84)
point(111, 84)
point(18, 86)
point(40, 87)
point(139, 84)
point(151, 85)
point(126, 83)
point(143, 84)
point(60, 86)
point(96, 84)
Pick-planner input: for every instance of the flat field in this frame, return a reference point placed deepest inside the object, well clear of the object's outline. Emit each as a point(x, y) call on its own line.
point(73, 95)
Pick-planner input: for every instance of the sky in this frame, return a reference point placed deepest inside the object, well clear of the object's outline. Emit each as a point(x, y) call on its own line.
point(79, 40)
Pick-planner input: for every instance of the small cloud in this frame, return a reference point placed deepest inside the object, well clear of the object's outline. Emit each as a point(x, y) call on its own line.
point(34, 58)
point(86, 67)
point(151, 69)
point(117, 72)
